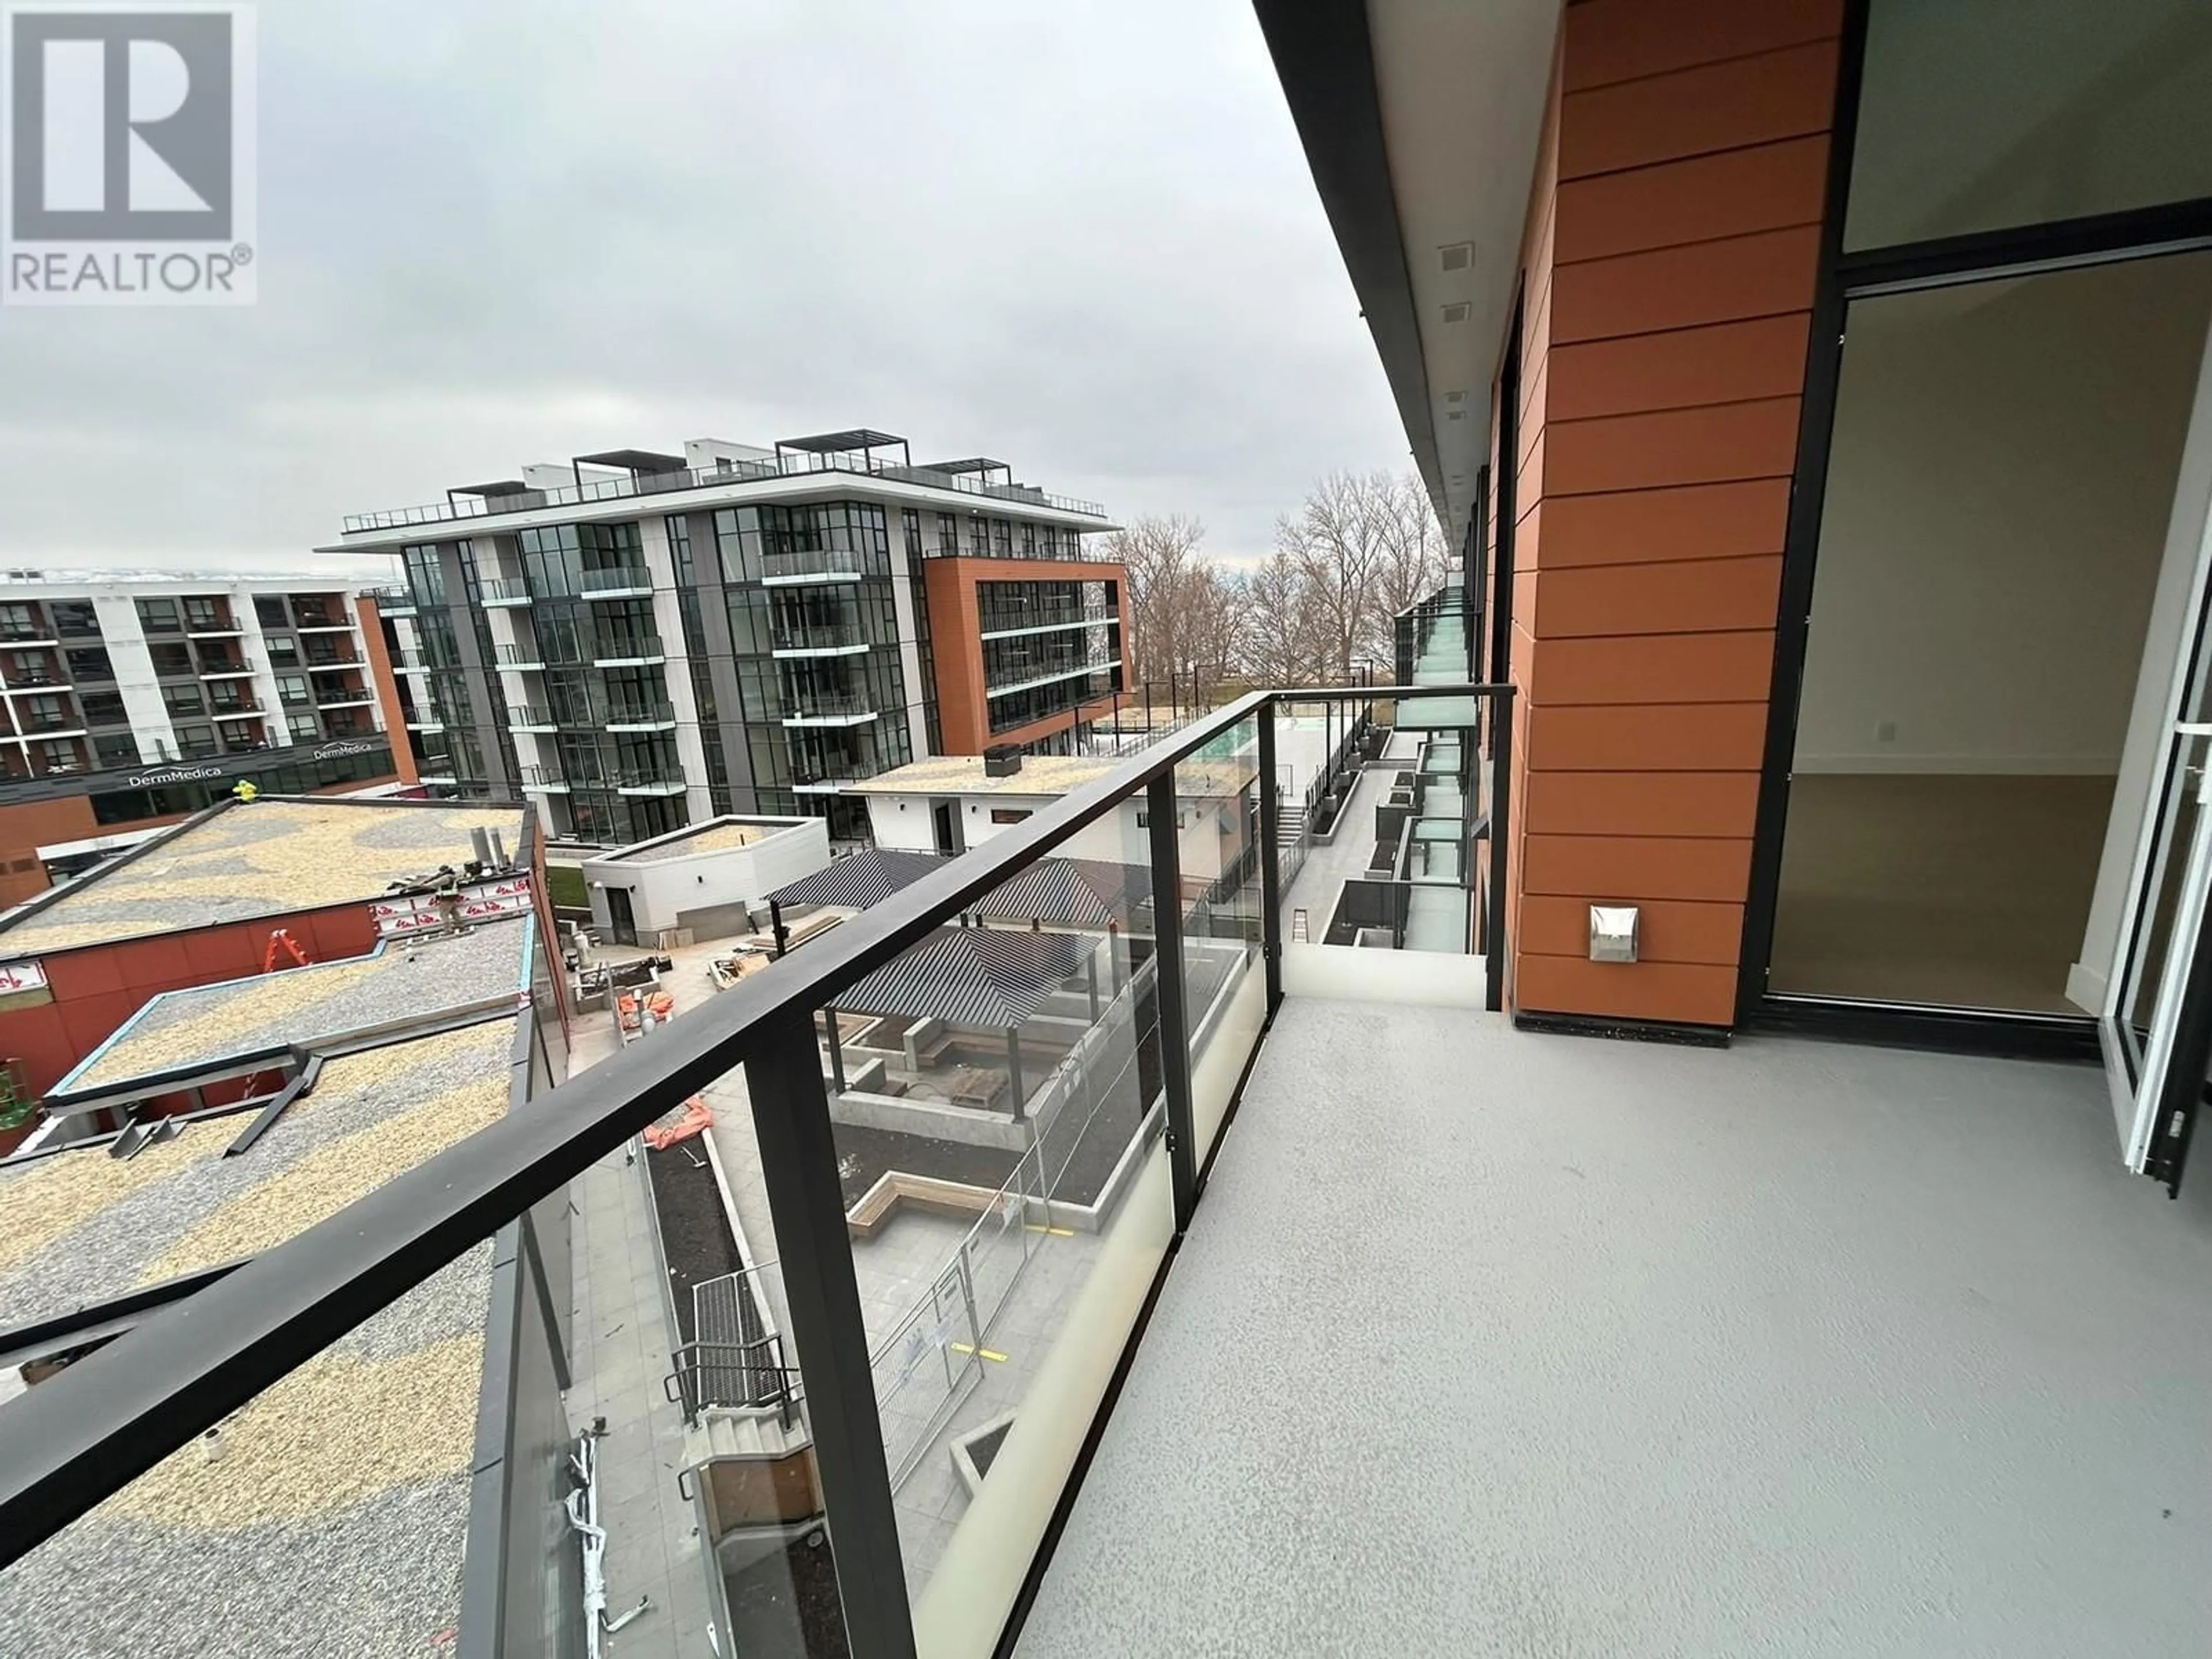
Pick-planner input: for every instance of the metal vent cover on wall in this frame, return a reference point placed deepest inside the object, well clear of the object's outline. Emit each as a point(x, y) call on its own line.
point(1457, 256)
point(1456, 311)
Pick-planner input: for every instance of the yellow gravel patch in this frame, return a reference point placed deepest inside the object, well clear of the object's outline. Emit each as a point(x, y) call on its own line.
point(338, 1430)
point(274, 996)
point(327, 1180)
point(56, 1195)
point(318, 861)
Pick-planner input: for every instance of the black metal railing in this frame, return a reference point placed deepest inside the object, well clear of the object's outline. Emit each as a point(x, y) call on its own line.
point(736, 1374)
point(68, 1444)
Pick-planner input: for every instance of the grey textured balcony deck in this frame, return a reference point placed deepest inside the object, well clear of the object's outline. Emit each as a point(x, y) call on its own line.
point(1485, 1343)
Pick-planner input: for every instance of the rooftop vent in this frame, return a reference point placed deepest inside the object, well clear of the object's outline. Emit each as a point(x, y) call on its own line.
point(1002, 760)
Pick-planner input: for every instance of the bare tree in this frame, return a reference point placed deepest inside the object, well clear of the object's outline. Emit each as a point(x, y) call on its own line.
point(1411, 566)
point(1211, 620)
point(1281, 643)
point(1157, 552)
point(1336, 539)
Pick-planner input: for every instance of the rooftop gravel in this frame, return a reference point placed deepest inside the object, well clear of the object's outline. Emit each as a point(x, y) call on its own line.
point(258, 859)
point(714, 838)
point(80, 1227)
point(335, 1521)
point(403, 980)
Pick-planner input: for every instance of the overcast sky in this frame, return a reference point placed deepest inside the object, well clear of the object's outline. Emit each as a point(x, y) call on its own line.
point(1077, 236)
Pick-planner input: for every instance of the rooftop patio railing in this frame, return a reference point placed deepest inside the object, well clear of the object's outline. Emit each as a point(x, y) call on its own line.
point(734, 472)
point(1111, 1011)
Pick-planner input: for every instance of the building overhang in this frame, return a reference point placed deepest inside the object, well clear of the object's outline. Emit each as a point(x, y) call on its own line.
point(1420, 121)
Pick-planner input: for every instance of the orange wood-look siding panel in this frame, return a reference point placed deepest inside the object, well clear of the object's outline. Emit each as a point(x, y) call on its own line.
point(1683, 369)
point(1713, 445)
point(1766, 275)
point(1703, 199)
point(1686, 736)
point(386, 687)
point(1670, 804)
point(1710, 596)
point(1700, 521)
point(1680, 993)
point(1613, 40)
point(1628, 868)
point(1650, 668)
point(1668, 930)
point(1698, 110)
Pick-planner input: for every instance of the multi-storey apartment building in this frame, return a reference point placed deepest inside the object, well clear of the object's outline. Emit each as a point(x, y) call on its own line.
point(638, 641)
point(127, 701)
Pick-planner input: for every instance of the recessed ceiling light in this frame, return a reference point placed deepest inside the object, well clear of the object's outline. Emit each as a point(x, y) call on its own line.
point(1456, 311)
point(1457, 256)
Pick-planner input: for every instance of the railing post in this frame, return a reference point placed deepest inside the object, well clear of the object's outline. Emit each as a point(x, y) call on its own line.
point(1271, 862)
point(1167, 968)
point(799, 1166)
point(1501, 792)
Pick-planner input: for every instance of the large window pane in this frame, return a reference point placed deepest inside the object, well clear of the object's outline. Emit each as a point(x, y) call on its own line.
point(2000, 489)
point(1984, 114)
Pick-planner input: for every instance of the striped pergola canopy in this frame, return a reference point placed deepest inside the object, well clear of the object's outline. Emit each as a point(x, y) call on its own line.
point(986, 978)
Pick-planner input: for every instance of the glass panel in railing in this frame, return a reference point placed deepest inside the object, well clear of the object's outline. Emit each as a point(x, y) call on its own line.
point(1218, 858)
point(1383, 847)
point(997, 1103)
point(492, 1452)
point(685, 1340)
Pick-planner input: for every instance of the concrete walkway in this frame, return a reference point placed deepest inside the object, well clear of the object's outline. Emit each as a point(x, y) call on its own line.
point(1488, 1343)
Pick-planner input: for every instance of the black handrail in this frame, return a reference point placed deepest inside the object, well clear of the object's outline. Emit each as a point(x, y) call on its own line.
point(64, 1447)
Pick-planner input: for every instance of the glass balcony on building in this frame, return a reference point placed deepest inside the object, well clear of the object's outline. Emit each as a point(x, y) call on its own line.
point(626, 581)
point(799, 569)
point(529, 657)
point(826, 706)
point(544, 781)
point(525, 717)
point(828, 639)
point(626, 651)
point(504, 592)
point(344, 696)
point(643, 780)
point(639, 716)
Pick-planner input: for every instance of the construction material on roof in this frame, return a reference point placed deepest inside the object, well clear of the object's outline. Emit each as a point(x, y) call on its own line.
point(243, 860)
point(714, 838)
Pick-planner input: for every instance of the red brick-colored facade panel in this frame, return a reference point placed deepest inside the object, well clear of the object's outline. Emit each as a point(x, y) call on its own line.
point(1682, 369)
point(1671, 252)
point(1729, 105)
point(1736, 192)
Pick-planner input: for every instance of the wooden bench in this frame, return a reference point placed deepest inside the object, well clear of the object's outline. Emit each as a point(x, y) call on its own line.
point(881, 1201)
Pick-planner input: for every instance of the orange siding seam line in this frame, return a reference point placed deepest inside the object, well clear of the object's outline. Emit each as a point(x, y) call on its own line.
point(1709, 108)
point(1613, 42)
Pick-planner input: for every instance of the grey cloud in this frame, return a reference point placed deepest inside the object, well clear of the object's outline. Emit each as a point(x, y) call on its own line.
point(1080, 236)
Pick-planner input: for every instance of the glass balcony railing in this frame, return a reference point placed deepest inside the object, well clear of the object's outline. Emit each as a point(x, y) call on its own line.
point(996, 620)
point(344, 695)
point(965, 1134)
point(607, 651)
point(623, 579)
point(814, 565)
point(636, 716)
point(526, 717)
point(730, 472)
point(794, 640)
point(504, 591)
point(808, 704)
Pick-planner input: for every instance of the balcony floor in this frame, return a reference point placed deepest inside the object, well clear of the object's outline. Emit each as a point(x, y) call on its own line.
point(1488, 1343)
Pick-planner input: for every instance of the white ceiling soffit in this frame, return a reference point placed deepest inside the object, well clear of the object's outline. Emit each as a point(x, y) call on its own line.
point(1461, 85)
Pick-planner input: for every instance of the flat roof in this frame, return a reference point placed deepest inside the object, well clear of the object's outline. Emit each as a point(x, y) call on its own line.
point(401, 980)
point(265, 858)
point(717, 835)
point(963, 774)
point(352, 1472)
point(1225, 773)
point(78, 1228)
